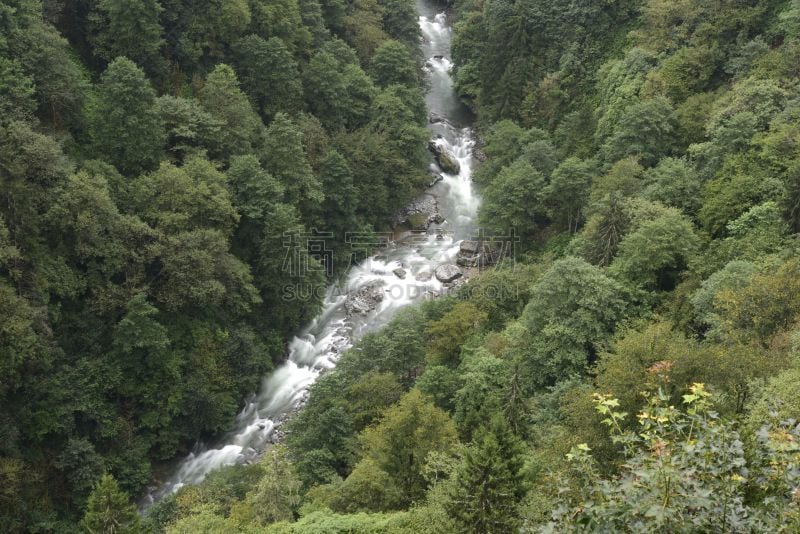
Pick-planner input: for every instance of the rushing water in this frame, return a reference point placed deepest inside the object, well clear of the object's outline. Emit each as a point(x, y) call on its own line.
point(317, 347)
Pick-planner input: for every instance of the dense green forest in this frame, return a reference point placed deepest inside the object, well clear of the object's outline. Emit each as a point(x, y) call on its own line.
point(634, 368)
point(153, 156)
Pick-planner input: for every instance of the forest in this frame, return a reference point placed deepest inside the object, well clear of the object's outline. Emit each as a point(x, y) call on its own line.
point(634, 367)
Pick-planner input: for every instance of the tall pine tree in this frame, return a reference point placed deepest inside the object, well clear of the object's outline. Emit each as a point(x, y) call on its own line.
point(124, 127)
point(489, 484)
point(109, 511)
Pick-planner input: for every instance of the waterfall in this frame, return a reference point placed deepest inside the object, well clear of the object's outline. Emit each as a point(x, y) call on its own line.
point(317, 347)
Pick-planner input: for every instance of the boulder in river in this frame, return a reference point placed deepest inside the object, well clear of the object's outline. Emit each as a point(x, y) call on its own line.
point(364, 299)
point(468, 254)
point(446, 160)
point(423, 276)
point(420, 213)
point(400, 273)
point(468, 247)
point(447, 272)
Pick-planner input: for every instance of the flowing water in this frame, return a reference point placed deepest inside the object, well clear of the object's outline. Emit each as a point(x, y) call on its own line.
point(317, 347)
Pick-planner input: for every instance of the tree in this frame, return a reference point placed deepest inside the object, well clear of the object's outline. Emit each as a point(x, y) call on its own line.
point(646, 130)
point(341, 202)
point(108, 510)
point(285, 158)
point(269, 75)
point(484, 380)
point(393, 64)
point(82, 465)
point(740, 185)
point(447, 335)
point(504, 142)
point(337, 91)
point(369, 395)
point(687, 71)
point(572, 313)
point(17, 92)
point(600, 238)
point(57, 77)
point(282, 19)
point(223, 99)
point(124, 126)
point(568, 192)
point(174, 199)
point(768, 302)
point(190, 128)
point(367, 489)
point(655, 253)
point(363, 28)
point(255, 190)
point(129, 28)
point(489, 483)
point(400, 443)
point(515, 200)
point(202, 520)
point(277, 495)
point(675, 183)
point(400, 21)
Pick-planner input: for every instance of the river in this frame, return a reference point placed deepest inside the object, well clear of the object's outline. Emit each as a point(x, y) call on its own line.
point(317, 347)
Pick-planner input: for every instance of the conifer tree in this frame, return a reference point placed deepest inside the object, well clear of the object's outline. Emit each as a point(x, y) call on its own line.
point(124, 127)
point(109, 511)
point(489, 484)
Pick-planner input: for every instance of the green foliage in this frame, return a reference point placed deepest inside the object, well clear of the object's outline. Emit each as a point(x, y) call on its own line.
point(142, 227)
point(489, 483)
point(684, 470)
point(515, 200)
point(277, 495)
point(393, 64)
point(240, 126)
point(337, 91)
point(645, 130)
point(657, 251)
point(285, 158)
point(128, 28)
point(143, 289)
point(204, 521)
point(568, 192)
point(572, 312)
point(675, 183)
point(399, 445)
point(124, 127)
point(269, 74)
point(459, 323)
point(17, 92)
point(108, 509)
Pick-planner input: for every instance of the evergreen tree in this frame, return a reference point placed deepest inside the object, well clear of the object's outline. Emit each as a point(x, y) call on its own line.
point(400, 21)
point(392, 64)
point(401, 442)
point(108, 510)
point(285, 158)
point(129, 28)
point(341, 200)
point(124, 127)
point(225, 101)
point(277, 494)
point(269, 75)
point(489, 484)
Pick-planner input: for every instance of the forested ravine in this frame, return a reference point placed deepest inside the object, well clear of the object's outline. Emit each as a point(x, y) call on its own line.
point(400, 274)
